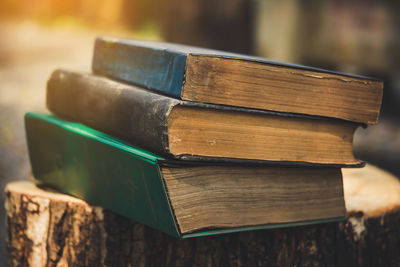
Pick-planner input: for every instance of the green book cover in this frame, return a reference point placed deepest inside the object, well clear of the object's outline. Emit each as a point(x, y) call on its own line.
point(107, 172)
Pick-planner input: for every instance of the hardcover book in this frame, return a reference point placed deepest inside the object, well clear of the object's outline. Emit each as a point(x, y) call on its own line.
point(216, 77)
point(183, 200)
point(194, 131)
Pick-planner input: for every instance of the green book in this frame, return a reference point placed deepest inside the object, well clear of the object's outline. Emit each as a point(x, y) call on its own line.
point(183, 199)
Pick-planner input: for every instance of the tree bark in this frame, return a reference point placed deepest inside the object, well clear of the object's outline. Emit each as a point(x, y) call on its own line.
point(46, 228)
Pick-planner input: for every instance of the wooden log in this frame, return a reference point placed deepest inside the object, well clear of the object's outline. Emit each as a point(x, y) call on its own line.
point(46, 228)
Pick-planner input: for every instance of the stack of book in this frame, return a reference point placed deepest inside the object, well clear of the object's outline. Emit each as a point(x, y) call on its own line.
point(197, 142)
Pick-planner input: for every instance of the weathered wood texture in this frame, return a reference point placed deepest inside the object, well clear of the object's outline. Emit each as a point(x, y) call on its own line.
point(52, 229)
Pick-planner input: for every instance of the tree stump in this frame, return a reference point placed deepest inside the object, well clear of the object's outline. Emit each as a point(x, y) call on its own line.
point(46, 228)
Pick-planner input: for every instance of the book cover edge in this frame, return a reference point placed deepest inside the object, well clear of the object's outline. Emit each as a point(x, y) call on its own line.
point(163, 217)
point(171, 78)
point(224, 54)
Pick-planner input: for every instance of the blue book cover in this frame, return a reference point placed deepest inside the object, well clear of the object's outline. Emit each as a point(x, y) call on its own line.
point(209, 76)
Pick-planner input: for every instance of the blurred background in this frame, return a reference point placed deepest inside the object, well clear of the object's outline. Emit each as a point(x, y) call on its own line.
point(38, 36)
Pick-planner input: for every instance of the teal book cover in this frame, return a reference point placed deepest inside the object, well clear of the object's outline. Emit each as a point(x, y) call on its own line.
point(218, 77)
point(107, 172)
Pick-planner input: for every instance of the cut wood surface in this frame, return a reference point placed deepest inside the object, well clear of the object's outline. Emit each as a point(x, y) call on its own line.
point(46, 228)
point(370, 190)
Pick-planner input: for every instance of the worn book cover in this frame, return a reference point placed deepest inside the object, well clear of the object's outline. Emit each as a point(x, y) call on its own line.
point(196, 131)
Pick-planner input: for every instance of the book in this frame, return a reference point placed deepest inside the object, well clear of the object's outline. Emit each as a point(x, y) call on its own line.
point(195, 131)
point(183, 200)
point(217, 77)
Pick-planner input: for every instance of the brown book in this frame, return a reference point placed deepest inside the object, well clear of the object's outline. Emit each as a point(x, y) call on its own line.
point(195, 131)
point(208, 76)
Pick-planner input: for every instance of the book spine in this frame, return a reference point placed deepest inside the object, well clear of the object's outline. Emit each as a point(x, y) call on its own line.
point(161, 70)
point(121, 110)
point(81, 162)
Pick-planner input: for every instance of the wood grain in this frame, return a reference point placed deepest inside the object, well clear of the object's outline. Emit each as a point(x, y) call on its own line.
point(372, 190)
point(221, 196)
point(216, 133)
point(75, 233)
point(250, 84)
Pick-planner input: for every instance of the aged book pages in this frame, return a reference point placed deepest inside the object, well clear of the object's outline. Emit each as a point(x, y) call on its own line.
point(223, 196)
